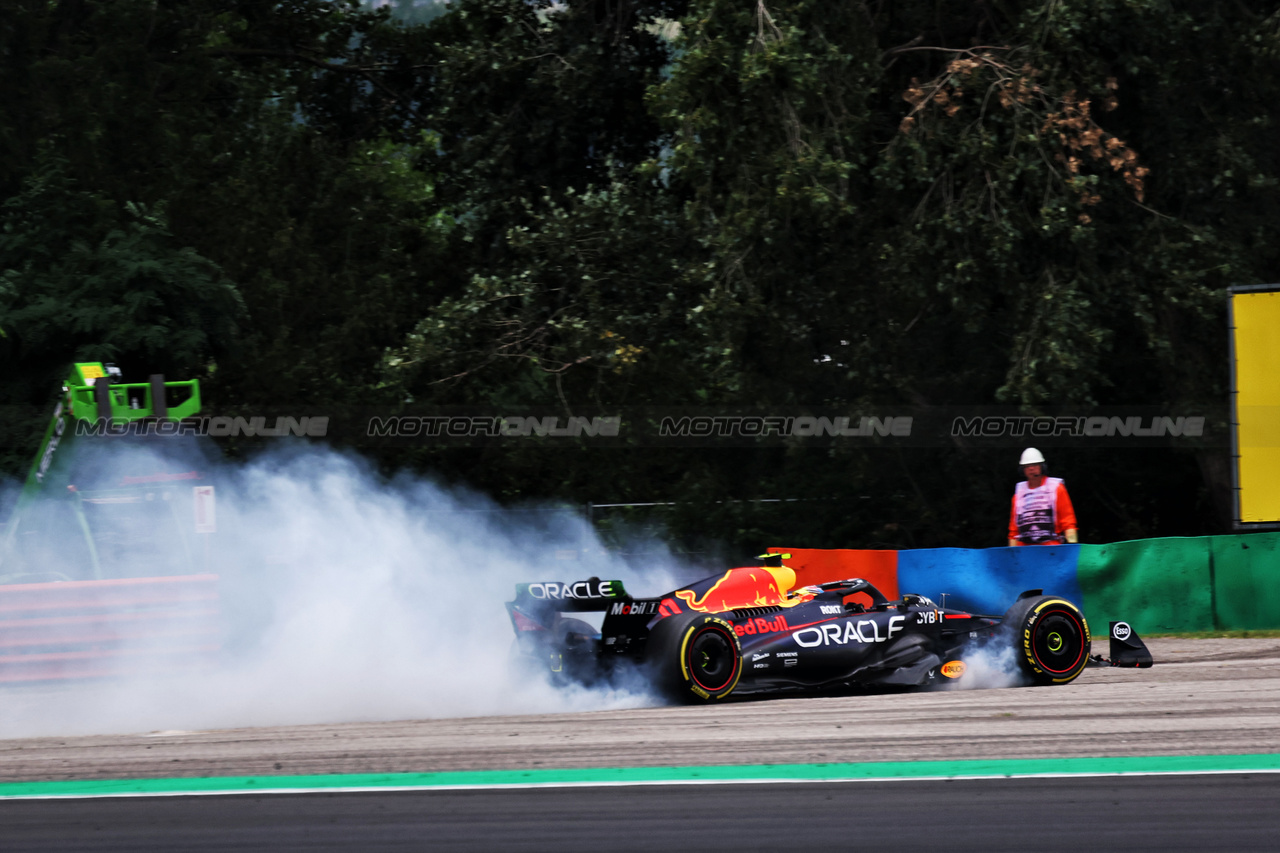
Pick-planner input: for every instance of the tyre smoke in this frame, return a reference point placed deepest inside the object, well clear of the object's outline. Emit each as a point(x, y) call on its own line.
point(346, 596)
point(993, 665)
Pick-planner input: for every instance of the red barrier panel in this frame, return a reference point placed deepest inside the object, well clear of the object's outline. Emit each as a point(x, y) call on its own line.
point(94, 629)
point(814, 566)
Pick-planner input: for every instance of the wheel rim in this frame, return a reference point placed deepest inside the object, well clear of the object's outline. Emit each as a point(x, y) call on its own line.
point(711, 658)
point(1058, 641)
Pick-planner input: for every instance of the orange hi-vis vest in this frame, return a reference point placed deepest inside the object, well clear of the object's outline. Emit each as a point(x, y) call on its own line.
point(1035, 512)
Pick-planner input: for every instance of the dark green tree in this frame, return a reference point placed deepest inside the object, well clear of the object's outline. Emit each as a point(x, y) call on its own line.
point(608, 204)
point(921, 204)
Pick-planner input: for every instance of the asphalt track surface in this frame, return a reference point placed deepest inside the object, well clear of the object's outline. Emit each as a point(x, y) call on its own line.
point(1204, 697)
point(1165, 813)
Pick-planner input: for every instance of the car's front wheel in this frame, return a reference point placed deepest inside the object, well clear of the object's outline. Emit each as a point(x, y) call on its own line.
point(1050, 638)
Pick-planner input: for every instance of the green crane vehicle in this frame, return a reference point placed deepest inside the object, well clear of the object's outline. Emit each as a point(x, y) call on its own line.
point(104, 562)
point(93, 406)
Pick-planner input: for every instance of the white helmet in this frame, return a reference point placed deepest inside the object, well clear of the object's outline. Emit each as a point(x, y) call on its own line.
point(1031, 456)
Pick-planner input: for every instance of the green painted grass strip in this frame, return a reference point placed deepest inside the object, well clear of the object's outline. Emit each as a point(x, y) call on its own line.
point(1179, 764)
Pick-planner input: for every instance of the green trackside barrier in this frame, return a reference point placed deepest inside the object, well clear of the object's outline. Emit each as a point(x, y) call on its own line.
point(1156, 585)
point(1246, 574)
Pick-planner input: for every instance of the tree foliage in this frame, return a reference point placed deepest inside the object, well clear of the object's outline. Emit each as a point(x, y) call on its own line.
point(662, 202)
point(105, 283)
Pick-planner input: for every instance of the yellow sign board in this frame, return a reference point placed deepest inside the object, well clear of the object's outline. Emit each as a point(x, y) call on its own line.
point(1256, 343)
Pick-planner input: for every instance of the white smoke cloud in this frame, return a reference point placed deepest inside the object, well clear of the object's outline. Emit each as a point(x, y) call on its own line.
point(349, 596)
point(993, 665)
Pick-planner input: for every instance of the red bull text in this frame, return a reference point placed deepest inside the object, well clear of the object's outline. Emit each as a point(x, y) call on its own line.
point(761, 626)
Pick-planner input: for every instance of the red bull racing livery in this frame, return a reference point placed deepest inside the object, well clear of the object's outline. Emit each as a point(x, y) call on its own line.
point(749, 631)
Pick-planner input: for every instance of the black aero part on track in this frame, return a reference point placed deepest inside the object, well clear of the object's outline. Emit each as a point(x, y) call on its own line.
point(746, 632)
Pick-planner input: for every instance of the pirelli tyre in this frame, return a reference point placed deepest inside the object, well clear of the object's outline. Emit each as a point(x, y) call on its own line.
point(1050, 638)
point(695, 657)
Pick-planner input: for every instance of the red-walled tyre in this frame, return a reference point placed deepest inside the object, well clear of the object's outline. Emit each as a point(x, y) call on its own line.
point(1050, 637)
point(695, 657)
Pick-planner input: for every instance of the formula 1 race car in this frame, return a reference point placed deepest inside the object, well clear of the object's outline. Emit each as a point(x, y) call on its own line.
point(748, 631)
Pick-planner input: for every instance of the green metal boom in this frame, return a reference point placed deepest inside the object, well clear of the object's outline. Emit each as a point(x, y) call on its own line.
point(88, 395)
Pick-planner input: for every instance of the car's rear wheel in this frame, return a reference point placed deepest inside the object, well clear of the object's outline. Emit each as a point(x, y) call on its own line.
point(1050, 638)
point(695, 657)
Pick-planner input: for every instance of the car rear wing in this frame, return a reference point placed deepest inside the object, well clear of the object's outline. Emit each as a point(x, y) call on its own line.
point(537, 605)
point(591, 594)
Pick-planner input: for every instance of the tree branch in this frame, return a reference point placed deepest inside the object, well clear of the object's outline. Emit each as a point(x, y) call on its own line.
point(365, 71)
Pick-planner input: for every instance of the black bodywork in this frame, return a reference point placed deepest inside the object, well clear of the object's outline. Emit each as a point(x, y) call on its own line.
point(831, 636)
